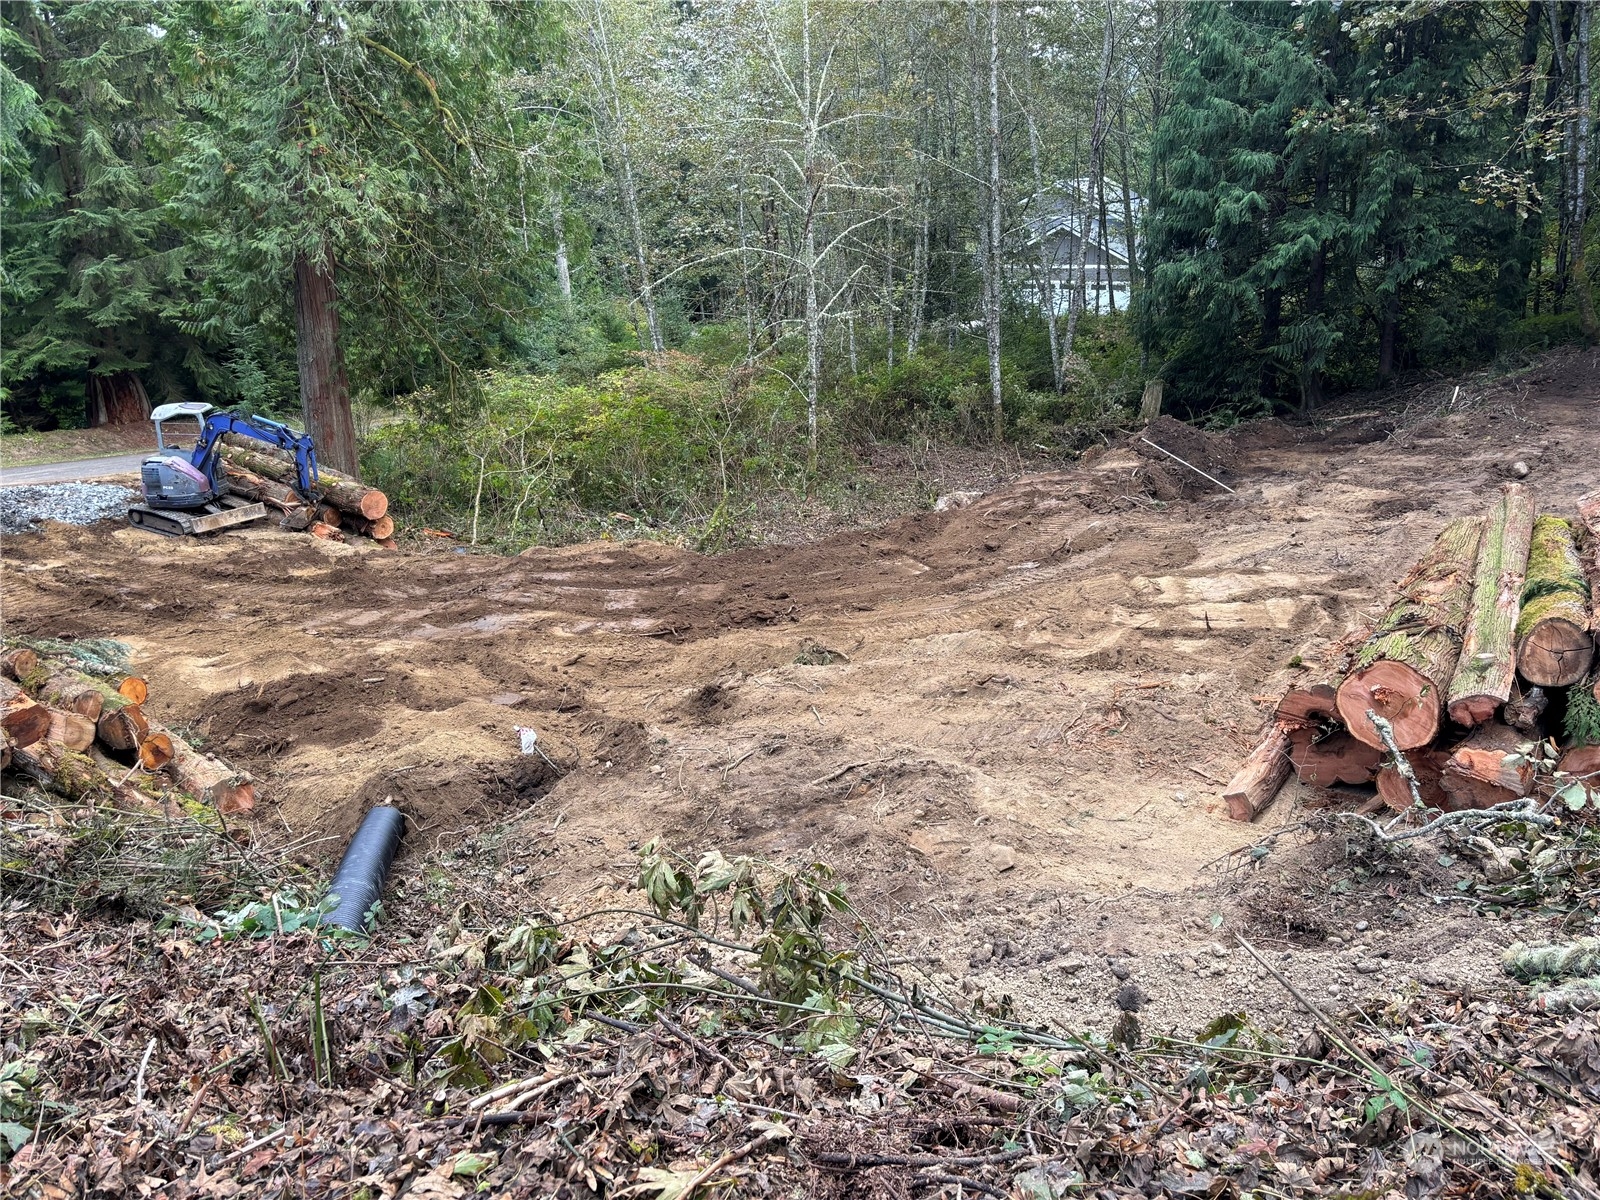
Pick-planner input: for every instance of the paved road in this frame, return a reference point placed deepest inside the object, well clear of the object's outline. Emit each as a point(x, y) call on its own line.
point(84, 468)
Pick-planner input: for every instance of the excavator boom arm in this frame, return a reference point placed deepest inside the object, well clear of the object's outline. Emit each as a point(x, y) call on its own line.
point(208, 448)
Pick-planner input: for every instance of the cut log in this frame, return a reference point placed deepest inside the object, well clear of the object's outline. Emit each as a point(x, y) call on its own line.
point(72, 692)
point(73, 774)
point(389, 544)
point(258, 487)
point(1582, 765)
point(1403, 671)
point(20, 717)
point(1488, 768)
point(206, 778)
point(1426, 765)
point(327, 514)
point(19, 663)
point(1589, 519)
point(1332, 756)
point(327, 532)
point(71, 730)
point(1487, 667)
point(134, 689)
point(1262, 775)
point(124, 729)
point(377, 530)
point(1320, 748)
point(1554, 645)
point(155, 752)
point(1313, 704)
point(341, 492)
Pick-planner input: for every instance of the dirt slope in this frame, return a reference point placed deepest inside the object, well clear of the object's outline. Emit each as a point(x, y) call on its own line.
point(1006, 723)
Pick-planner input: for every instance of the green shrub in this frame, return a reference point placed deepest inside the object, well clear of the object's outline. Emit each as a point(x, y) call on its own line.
point(672, 444)
point(1544, 332)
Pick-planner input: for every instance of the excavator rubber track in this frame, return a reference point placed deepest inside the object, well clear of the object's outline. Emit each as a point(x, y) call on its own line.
point(173, 522)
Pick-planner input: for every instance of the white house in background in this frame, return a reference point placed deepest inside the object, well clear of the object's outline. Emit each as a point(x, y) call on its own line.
point(1052, 227)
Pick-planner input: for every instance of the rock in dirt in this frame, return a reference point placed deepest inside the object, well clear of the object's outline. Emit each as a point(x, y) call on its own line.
point(21, 508)
point(1001, 857)
point(955, 500)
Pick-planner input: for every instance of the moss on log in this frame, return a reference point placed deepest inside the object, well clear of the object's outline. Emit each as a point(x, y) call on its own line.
point(1554, 646)
point(1487, 667)
point(1403, 671)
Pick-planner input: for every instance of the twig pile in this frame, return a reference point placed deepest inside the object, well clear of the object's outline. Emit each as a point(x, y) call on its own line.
point(1476, 690)
point(72, 719)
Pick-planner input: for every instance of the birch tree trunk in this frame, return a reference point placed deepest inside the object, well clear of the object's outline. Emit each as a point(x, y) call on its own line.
point(629, 189)
point(808, 239)
point(1047, 288)
point(919, 273)
point(744, 284)
point(559, 227)
point(1580, 178)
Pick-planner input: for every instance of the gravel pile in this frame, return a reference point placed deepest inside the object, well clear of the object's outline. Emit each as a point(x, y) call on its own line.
point(74, 503)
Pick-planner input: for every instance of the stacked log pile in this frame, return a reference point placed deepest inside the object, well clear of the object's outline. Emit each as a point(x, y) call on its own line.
point(340, 507)
point(1478, 684)
point(86, 736)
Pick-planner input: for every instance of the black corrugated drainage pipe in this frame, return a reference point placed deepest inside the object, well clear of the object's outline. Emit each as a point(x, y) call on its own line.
point(359, 880)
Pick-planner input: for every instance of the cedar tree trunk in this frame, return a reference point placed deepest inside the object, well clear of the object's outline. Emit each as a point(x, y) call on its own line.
point(324, 393)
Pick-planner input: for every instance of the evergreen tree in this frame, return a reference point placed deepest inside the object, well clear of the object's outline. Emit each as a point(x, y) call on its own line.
point(91, 270)
point(359, 156)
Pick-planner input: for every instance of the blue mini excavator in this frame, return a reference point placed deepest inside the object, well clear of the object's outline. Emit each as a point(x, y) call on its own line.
point(185, 492)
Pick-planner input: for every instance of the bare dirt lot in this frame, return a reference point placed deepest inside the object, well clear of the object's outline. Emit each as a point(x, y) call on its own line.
point(1006, 724)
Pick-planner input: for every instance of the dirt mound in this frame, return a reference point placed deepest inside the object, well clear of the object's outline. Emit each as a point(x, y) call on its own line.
point(1146, 464)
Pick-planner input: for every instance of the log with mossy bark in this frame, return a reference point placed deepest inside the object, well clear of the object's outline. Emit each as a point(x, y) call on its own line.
point(19, 663)
point(1403, 671)
point(257, 487)
point(114, 711)
point(1487, 667)
point(26, 721)
point(204, 777)
point(1554, 645)
point(75, 775)
point(343, 493)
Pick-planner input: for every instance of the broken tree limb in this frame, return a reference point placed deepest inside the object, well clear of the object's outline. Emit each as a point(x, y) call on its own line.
point(1403, 671)
point(123, 729)
point(1261, 776)
point(320, 529)
point(71, 692)
point(1524, 710)
point(26, 721)
point(1487, 667)
point(1554, 645)
point(206, 778)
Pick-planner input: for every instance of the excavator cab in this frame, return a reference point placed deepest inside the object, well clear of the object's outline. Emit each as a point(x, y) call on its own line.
point(169, 479)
